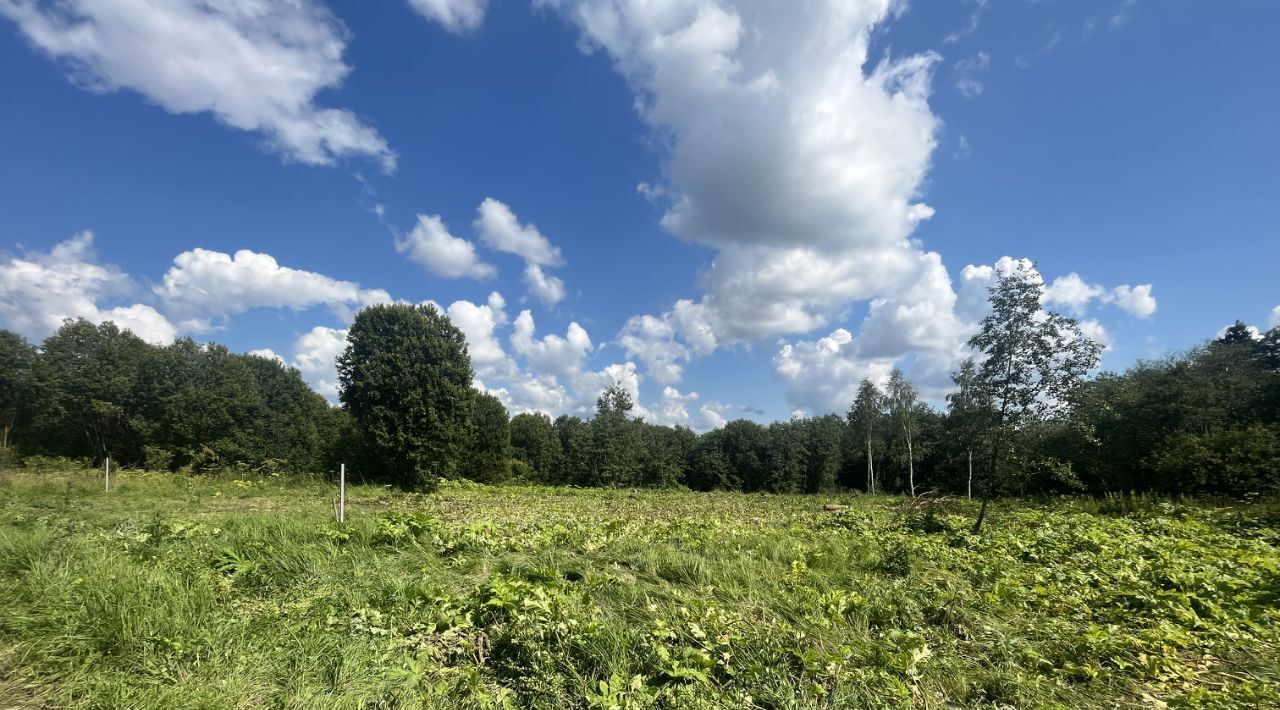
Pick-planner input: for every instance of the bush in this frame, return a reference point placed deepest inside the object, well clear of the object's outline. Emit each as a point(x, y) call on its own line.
point(10, 458)
point(51, 464)
point(1231, 462)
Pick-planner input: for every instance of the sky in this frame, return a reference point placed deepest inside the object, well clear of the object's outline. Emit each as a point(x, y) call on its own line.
point(733, 208)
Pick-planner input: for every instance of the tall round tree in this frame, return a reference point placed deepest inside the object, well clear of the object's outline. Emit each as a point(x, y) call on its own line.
point(406, 379)
point(489, 457)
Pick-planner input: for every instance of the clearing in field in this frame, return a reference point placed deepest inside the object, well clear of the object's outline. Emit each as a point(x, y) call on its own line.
point(176, 592)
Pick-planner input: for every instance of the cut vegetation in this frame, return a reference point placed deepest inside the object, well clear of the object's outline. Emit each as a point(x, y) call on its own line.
point(177, 592)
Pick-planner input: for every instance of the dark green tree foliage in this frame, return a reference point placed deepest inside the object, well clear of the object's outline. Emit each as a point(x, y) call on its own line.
point(1204, 422)
point(616, 441)
point(488, 457)
point(1236, 334)
point(709, 468)
point(535, 443)
point(91, 372)
point(102, 391)
point(1224, 461)
point(195, 398)
point(743, 447)
point(405, 377)
point(17, 383)
point(1032, 363)
point(786, 459)
point(295, 428)
point(664, 454)
point(970, 416)
point(1128, 423)
point(577, 451)
point(823, 437)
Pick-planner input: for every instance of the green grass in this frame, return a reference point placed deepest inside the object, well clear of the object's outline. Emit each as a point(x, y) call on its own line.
point(173, 592)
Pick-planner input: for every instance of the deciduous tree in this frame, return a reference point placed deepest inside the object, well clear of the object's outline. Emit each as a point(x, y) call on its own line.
point(406, 379)
point(1032, 361)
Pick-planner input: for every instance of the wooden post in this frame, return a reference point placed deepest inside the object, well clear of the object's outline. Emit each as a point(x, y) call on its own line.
point(106, 474)
point(342, 493)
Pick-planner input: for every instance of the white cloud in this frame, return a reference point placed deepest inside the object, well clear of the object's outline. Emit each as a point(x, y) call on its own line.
point(204, 283)
point(39, 290)
point(653, 341)
point(1137, 300)
point(143, 320)
point(547, 288)
point(823, 375)
point(1076, 294)
point(528, 393)
point(1072, 292)
point(1095, 331)
point(971, 26)
point(1274, 320)
point(256, 65)
point(923, 328)
point(315, 354)
point(550, 354)
point(480, 323)
point(270, 354)
point(673, 408)
point(498, 228)
point(712, 415)
point(431, 245)
point(817, 214)
point(967, 72)
point(456, 16)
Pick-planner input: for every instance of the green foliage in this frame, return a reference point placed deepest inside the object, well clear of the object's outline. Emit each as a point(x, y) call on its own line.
point(204, 592)
point(489, 453)
point(405, 377)
point(90, 372)
point(96, 391)
point(615, 441)
point(535, 443)
point(1033, 363)
point(18, 383)
point(865, 417)
point(1230, 461)
point(577, 463)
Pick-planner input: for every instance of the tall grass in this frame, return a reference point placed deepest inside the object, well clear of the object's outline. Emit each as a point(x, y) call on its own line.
point(173, 592)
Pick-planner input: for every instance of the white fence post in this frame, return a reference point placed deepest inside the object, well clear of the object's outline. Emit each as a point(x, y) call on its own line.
point(106, 474)
point(342, 493)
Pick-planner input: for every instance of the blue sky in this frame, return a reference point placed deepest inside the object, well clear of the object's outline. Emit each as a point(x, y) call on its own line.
point(732, 208)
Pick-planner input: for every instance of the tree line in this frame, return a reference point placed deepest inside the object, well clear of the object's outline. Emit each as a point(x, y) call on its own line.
point(1025, 417)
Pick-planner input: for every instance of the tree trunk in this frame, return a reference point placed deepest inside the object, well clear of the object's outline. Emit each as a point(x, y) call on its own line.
point(970, 474)
point(871, 469)
point(911, 467)
point(991, 484)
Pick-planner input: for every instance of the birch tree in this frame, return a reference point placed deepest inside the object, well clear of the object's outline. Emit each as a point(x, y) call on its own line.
point(864, 417)
point(904, 413)
point(1031, 361)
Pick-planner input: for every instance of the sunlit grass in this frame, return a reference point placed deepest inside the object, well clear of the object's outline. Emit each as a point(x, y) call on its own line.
point(180, 592)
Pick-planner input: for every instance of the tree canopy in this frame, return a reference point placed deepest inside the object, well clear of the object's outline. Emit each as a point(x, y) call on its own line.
point(405, 377)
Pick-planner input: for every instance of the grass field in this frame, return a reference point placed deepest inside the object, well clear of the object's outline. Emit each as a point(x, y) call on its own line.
point(173, 592)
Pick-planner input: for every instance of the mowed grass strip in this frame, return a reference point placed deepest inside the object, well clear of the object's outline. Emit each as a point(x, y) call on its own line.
point(176, 592)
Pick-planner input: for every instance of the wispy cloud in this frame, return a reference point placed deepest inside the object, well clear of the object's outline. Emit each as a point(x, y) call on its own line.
point(1123, 14)
point(975, 18)
point(1025, 59)
point(968, 74)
